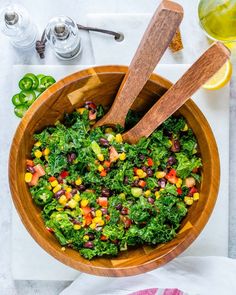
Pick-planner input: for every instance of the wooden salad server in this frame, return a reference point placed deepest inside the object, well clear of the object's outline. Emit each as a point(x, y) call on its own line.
point(155, 41)
point(198, 74)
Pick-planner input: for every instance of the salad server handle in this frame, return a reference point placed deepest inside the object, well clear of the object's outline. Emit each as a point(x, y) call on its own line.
point(197, 75)
point(155, 41)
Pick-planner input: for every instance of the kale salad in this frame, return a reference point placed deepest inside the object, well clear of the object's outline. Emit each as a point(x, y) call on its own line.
point(100, 195)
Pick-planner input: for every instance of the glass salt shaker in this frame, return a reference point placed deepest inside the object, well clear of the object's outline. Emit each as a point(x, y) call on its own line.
point(17, 25)
point(63, 35)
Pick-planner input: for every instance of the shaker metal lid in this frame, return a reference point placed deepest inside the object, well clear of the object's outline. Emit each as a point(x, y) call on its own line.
point(11, 18)
point(61, 31)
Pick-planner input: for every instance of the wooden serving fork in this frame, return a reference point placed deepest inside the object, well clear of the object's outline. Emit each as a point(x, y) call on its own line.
point(155, 41)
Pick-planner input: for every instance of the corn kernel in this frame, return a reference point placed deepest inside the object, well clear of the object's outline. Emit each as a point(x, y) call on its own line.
point(122, 156)
point(28, 177)
point(72, 203)
point(57, 188)
point(46, 158)
point(140, 173)
point(179, 182)
point(100, 157)
point(188, 200)
point(68, 189)
point(54, 183)
point(77, 226)
point(98, 213)
point(38, 154)
point(81, 110)
point(119, 138)
point(196, 196)
point(92, 225)
point(108, 130)
point(46, 152)
point(157, 195)
point(147, 193)
point(160, 174)
point(78, 181)
point(85, 238)
point(110, 137)
point(97, 219)
point(62, 200)
point(100, 168)
point(122, 196)
point(101, 222)
point(63, 249)
point(38, 143)
point(84, 203)
point(185, 128)
point(76, 197)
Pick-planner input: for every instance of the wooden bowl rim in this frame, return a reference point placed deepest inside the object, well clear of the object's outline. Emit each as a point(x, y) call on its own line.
point(190, 236)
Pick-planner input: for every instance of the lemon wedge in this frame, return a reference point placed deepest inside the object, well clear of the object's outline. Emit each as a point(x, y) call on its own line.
point(221, 78)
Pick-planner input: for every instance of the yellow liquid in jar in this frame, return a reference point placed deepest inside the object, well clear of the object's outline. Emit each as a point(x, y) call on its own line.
point(218, 19)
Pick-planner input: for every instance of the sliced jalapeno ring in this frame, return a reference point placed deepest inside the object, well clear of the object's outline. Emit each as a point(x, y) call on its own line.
point(27, 97)
point(16, 99)
point(46, 82)
point(25, 83)
point(20, 110)
point(34, 80)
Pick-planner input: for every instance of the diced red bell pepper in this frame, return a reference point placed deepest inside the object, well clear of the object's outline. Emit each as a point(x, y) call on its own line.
point(103, 238)
point(88, 219)
point(135, 170)
point(39, 169)
point(195, 170)
point(51, 178)
point(86, 210)
point(171, 176)
point(192, 191)
point(50, 229)
point(102, 201)
point(103, 173)
point(107, 164)
point(179, 191)
point(142, 183)
point(30, 163)
point(68, 195)
point(64, 174)
point(172, 172)
point(34, 180)
point(150, 162)
point(107, 217)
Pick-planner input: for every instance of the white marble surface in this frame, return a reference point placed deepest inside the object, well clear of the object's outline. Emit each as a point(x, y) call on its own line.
point(42, 11)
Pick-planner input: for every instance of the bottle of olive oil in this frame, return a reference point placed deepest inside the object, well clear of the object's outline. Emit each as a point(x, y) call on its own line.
point(218, 19)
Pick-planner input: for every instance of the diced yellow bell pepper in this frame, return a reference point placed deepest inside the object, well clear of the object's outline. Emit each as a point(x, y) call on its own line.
point(38, 154)
point(147, 193)
point(185, 128)
point(122, 156)
point(85, 238)
point(100, 168)
point(62, 200)
point(72, 203)
point(46, 152)
point(92, 225)
point(57, 188)
point(98, 213)
point(118, 138)
point(28, 177)
point(54, 183)
point(81, 110)
point(100, 157)
point(179, 182)
point(160, 174)
point(78, 181)
point(77, 226)
point(196, 196)
point(77, 197)
point(38, 143)
point(157, 195)
point(84, 203)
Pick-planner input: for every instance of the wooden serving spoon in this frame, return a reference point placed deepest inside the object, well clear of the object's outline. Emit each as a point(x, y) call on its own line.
point(198, 74)
point(155, 41)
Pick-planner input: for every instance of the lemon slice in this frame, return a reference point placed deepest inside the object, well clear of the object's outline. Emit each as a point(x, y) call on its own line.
point(221, 78)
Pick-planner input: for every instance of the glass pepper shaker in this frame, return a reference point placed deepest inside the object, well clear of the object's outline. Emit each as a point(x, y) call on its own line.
point(17, 25)
point(63, 35)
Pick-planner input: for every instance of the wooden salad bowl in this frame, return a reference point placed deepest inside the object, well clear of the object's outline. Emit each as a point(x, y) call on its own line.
point(100, 85)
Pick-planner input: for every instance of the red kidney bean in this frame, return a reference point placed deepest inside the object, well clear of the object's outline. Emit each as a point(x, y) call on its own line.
point(124, 211)
point(106, 192)
point(104, 211)
point(76, 221)
point(30, 169)
point(59, 193)
point(135, 183)
point(119, 206)
point(162, 182)
point(175, 146)
point(171, 161)
point(74, 191)
point(149, 172)
point(81, 187)
point(88, 245)
point(91, 236)
point(104, 142)
point(60, 179)
point(144, 168)
point(126, 180)
point(142, 157)
point(150, 200)
point(90, 105)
